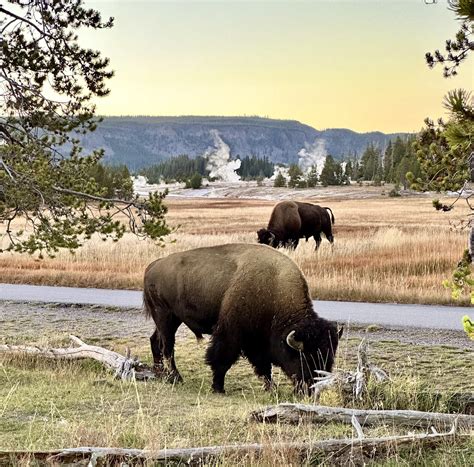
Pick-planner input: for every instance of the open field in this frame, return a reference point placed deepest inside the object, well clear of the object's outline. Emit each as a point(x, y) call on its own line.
point(386, 249)
point(52, 404)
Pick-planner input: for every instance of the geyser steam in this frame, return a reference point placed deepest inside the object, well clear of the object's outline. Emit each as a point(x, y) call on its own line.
point(313, 154)
point(218, 161)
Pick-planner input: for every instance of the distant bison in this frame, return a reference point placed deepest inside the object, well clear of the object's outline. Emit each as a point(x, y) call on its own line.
point(292, 220)
point(253, 300)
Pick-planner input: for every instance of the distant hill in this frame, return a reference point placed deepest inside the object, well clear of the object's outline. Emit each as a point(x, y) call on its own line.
point(142, 141)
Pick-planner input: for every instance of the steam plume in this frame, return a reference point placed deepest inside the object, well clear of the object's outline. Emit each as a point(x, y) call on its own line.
point(313, 154)
point(219, 164)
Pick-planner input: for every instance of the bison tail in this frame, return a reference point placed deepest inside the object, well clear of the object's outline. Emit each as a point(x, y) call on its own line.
point(332, 215)
point(148, 304)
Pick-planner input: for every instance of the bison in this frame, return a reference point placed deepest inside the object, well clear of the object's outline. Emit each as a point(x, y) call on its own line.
point(292, 220)
point(252, 300)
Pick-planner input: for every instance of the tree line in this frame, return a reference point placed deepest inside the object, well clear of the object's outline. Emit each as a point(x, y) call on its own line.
point(375, 165)
point(394, 165)
point(183, 168)
point(397, 164)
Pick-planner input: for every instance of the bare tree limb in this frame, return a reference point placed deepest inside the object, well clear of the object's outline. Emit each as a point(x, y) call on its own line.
point(125, 368)
point(295, 413)
point(369, 447)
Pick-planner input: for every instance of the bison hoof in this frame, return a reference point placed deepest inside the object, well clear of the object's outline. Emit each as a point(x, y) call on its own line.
point(218, 390)
point(159, 370)
point(174, 378)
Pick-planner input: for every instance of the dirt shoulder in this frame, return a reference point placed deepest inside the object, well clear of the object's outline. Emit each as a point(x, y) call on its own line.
point(27, 321)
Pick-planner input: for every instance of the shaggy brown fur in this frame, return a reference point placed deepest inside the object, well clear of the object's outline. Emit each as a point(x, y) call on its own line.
point(249, 297)
point(292, 220)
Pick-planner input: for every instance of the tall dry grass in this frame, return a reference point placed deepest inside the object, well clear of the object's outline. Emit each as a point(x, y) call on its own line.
point(395, 250)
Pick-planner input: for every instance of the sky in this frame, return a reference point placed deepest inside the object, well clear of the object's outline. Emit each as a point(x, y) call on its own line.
point(330, 64)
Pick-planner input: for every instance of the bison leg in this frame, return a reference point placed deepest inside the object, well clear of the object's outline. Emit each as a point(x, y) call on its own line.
point(221, 355)
point(262, 368)
point(167, 330)
point(292, 244)
point(318, 240)
point(158, 366)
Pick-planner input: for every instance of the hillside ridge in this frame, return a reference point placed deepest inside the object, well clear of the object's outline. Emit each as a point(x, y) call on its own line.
point(140, 141)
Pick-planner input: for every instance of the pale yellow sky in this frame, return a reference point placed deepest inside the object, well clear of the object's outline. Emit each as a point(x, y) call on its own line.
point(352, 64)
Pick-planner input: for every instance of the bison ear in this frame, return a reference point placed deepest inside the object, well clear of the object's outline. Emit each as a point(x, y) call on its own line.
point(293, 343)
point(340, 331)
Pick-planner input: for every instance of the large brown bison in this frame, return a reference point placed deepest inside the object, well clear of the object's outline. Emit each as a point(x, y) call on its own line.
point(253, 300)
point(292, 220)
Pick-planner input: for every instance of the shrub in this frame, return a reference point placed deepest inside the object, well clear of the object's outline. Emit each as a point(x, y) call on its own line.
point(280, 181)
point(194, 182)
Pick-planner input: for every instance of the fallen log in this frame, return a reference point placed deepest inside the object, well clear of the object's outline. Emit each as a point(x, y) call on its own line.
point(295, 413)
point(124, 367)
point(369, 447)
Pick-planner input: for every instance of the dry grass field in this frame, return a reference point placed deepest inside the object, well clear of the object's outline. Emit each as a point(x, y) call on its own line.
point(386, 249)
point(51, 404)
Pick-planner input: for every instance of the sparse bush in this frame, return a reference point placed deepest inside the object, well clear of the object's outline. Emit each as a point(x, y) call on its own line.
point(194, 182)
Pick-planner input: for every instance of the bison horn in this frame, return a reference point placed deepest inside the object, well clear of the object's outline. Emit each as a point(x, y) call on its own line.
point(293, 343)
point(340, 332)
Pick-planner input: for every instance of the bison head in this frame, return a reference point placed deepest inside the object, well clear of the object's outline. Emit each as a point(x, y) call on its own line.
point(266, 237)
point(310, 346)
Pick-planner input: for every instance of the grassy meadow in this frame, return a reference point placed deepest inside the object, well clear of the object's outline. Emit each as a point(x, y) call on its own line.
point(396, 250)
point(47, 405)
point(386, 249)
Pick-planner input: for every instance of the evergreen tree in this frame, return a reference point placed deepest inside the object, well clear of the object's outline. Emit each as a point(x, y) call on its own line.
point(356, 172)
point(296, 177)
point(331, 173)
point(458, 49)
point(388, 163)
point(195, 181)
point(312, 177)
point(348, 171)
point(445, 151)
point(398, 152)
point(254, 167)
point(115, 180)
point(280, 181)
point(370, 162)
point(44, 176)
point(180, 168)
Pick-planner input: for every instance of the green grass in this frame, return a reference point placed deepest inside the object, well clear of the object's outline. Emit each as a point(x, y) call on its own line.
point(47, 404)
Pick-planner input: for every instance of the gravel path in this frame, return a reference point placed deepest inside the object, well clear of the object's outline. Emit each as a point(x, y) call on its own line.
point(27, 321)
point(386, 314)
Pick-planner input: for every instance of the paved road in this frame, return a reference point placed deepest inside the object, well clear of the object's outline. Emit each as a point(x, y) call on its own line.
point(417, 316)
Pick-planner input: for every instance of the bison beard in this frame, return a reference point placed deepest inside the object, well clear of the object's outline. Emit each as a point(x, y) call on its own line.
point(292, 220)
point(253, 300)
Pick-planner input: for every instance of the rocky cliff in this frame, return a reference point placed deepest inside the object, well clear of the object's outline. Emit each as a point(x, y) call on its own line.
point(142, 141)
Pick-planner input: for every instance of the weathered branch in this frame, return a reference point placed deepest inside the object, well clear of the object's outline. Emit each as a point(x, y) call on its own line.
point(16, 17)
point(125, 368)
point(350, 382)
point(296, 413)
point(80, 194)
point(370, 447)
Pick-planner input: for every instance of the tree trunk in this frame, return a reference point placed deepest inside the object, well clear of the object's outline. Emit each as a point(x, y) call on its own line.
point(295, 413)
point(365, 447)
